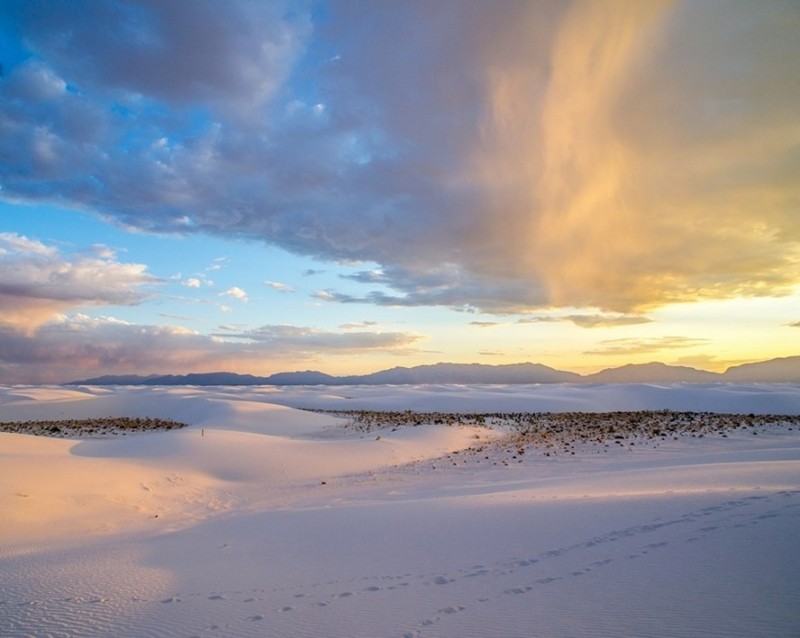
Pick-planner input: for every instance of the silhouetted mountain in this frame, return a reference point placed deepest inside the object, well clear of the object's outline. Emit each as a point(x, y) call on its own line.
point(206, 378)
point(308, 377)
point(652, 373)
point(438, 373)
point(468, 373)
point(116, 379)
point(783, 370)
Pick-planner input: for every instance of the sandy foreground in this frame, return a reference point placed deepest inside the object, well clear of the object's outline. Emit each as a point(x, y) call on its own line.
point(260, 519)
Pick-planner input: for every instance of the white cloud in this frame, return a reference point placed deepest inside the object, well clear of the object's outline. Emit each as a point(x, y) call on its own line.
point(38, 283)
point(12, 243)
point(325, 295)
point(280, 287)
point(192, 282)
point(236, 293)
point(218, 264)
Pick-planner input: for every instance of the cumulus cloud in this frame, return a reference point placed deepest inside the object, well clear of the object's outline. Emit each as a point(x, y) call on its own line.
point(614, 155)
point(38, 283)
point(236, 293)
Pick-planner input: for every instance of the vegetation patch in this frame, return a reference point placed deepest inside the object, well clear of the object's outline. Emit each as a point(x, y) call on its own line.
point(555, 433)
point(100, 427)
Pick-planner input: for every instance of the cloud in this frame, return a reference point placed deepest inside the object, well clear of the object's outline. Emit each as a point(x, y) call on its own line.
point(82, 346)
point(367, 276)
point(235, 292)
point(280, 287)
point(590, 321)
point(443, 284)
point(484, 324)
point(38, 283)
point(359, 325)
point(192, 282)
point(218, 264)
point(176, 52)
point(618, 156)
point(645, 346)
point(168, 315)
point(281, 338)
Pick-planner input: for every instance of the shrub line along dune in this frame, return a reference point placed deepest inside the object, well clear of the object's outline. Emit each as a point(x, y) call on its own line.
point(560, 432)
point(104, 426)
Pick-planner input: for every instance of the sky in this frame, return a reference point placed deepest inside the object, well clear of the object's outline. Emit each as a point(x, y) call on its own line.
point(198, 185)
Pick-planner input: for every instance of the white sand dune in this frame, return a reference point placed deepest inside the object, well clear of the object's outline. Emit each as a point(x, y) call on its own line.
point(263, 520)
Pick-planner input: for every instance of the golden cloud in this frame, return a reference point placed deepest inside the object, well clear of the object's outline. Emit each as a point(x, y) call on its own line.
point(651, 163)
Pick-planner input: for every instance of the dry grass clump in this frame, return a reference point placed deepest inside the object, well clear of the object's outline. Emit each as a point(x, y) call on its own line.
point(99, 427)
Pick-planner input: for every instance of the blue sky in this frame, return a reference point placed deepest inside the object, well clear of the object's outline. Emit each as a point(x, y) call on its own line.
point(349, 186)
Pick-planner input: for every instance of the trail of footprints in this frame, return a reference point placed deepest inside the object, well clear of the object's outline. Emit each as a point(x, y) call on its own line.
point(713, 518)
point(536, 571)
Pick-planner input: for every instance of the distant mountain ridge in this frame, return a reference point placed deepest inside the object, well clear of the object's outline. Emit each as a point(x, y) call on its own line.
point(781, 370)
point(654, 373)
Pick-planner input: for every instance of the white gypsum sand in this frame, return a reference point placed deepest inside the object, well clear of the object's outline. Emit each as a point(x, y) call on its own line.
point(263, 520)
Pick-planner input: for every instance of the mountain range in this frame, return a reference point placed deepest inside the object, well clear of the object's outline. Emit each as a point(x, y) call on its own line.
point(782, 370)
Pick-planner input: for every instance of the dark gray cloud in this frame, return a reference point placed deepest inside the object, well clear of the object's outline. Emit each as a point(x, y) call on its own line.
point(182, 52)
